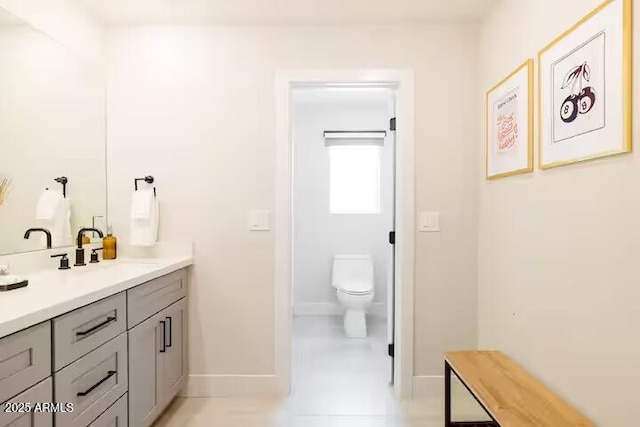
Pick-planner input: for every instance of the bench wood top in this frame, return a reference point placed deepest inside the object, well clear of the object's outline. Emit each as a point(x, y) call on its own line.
point(511, 395)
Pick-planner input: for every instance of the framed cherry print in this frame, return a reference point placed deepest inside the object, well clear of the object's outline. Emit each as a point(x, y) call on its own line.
point(585, 88)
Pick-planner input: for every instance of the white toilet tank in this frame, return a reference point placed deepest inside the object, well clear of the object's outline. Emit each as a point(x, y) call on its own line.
point(352, 273)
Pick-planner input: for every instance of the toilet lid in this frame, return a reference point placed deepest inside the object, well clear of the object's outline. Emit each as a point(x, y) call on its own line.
point(355, 287)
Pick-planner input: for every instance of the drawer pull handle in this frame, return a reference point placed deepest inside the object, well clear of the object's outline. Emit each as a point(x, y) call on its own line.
point(95, 328)
point(164, 337)
point(96, 385)
point(170, 331)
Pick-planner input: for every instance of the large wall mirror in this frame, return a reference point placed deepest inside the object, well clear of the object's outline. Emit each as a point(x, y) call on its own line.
point(52, 131)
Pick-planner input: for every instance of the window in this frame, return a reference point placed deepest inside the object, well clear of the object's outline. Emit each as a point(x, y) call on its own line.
point(354, 173)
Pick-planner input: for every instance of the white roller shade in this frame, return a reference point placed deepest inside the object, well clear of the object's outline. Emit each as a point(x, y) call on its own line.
point(354, 137)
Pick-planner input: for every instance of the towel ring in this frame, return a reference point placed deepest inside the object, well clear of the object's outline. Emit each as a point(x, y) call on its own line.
point(64, 181)
point(148, 179)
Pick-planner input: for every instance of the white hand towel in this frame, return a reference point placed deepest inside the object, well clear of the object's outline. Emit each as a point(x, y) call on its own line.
point(144, 232)
point(61, 225)
point(141, 202)
point(48, 203)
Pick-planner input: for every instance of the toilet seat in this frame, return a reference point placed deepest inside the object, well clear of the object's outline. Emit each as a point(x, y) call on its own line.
point(344, 291)
point(355, 287)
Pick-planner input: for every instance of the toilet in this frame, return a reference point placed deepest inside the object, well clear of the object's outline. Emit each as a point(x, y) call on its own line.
point(352, 276)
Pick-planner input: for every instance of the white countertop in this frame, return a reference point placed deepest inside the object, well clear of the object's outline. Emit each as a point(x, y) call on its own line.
point(53, 292)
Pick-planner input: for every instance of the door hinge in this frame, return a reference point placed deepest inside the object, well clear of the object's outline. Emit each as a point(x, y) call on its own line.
point(391, 349)
point(392, 124)
point(392, 237)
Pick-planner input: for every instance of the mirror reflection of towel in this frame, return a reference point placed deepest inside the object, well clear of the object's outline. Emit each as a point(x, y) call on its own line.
point(54, 213)
point(48, 203)
point(61, 229)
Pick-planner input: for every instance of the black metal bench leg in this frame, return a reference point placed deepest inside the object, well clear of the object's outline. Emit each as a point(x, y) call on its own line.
point(447, 395)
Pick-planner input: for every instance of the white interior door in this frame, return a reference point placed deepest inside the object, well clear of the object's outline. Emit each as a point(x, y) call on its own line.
point(391, 270)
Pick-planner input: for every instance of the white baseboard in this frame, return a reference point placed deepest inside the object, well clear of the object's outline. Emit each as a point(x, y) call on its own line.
point(377, 309)
point(231, 386)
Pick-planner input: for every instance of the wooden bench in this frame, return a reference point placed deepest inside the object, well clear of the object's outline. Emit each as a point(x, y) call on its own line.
point(510, 396)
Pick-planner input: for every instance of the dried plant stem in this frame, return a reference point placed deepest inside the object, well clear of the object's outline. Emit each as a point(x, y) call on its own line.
point(5, 189)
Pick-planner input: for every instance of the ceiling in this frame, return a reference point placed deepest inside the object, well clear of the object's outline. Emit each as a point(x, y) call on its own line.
point(8, 20)
point(287, 12)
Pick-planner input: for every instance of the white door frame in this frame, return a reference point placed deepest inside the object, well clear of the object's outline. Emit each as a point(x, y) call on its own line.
point(403, 82)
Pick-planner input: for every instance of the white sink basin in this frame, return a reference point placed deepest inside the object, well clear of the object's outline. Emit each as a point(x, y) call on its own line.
point(107, 265)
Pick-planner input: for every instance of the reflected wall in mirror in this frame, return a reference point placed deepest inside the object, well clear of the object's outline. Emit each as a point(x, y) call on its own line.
point(52, 124)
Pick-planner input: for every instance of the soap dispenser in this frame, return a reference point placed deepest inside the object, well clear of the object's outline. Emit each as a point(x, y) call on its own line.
point(109, 245)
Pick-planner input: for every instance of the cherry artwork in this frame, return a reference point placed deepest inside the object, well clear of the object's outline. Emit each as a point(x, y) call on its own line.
point(581, 101)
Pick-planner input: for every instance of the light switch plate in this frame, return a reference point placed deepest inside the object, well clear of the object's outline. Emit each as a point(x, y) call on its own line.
point(259, 220)
point(429, 222)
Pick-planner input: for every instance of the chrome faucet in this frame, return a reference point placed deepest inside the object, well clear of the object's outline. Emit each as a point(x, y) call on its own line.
point(80, 250)
point(44, 230)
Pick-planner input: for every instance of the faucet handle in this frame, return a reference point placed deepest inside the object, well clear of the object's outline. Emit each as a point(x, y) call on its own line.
point(64, 261)
point(94, 255)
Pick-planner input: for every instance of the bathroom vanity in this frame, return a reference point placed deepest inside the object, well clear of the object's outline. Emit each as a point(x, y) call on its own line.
point(99, 346)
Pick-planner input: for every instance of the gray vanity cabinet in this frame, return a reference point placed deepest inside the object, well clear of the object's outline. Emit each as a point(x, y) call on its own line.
point(24, 416)
point(92, 383)
point(25, 359)
point(119, 361)
point(174, 365)
point(150, 298)
point(157, 363)
point(145, 371)
point(115, 416)
point(87, 328)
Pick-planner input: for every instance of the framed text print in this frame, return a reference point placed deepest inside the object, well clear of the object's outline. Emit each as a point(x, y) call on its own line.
point(510, 124)
point(585, 88)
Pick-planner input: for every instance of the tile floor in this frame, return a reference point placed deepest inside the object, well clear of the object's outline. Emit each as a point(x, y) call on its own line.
point(337, 382)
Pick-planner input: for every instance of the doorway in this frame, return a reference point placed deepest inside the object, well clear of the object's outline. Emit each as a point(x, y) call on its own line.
point(399, 312)
point(343, 213)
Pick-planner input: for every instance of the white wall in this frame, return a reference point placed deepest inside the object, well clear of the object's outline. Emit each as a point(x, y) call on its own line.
point(66, 21)
point(319, 235)
point(195, 107)
point(558, 249)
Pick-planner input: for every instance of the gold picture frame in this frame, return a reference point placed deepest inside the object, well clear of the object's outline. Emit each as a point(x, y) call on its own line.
point(626, 82)
point(518, 163)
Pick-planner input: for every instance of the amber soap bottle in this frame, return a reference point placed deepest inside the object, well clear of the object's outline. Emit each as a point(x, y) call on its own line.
point(109, 245)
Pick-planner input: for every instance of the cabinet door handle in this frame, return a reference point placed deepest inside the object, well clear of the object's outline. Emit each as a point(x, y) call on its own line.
point(96, 385)
point(95, 328)
point(170, 331)
point(164, 336)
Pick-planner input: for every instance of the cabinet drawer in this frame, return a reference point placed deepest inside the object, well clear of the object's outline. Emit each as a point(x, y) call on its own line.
point(40, 393)
point(149, 298)
point(25, 359)
point(116, 416)
point(92, 383)
point(85, 329)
